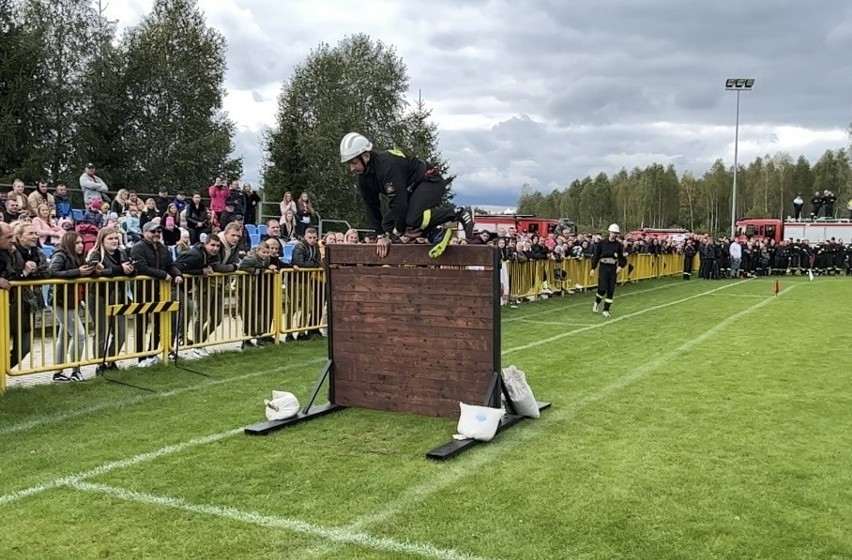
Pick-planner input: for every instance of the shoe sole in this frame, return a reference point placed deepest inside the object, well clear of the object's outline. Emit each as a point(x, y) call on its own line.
point(441, 246)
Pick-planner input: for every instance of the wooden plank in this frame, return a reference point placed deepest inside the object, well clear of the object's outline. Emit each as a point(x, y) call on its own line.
point(405, 274)
point(399, 254)
point(392, 284)
point(370, 308)
point(415, 324)
point(408, 297)
point(453, 364)
point(358, 342)
point(389, 375)
point(375, 399)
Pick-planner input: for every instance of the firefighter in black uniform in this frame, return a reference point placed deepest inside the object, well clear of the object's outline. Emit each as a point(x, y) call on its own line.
point(414, 192)
point(688, 259)
point(610, 254)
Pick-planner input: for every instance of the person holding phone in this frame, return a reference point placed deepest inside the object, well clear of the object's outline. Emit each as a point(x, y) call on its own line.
point(109, 262)
point(68, 264)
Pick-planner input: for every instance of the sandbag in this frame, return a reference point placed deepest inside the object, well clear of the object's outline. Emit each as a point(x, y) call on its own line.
point(520, 393)
point(283, 405)
point(478, 422)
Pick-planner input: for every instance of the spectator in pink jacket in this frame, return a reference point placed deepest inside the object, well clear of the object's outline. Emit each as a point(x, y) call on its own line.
point(218, 193)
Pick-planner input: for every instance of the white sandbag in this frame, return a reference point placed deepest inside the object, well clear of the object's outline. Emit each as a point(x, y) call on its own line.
point(478, 422)
point(520, 393)
point(282, 406)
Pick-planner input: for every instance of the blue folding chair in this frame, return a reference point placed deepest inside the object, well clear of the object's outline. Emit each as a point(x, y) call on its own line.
point(288, 253)
point(261, 230)
point(255, 239)
point(77, 214)
point(251, 229)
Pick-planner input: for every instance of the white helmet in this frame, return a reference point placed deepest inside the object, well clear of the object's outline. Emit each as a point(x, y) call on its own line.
point(352, 146)
point(613, 228)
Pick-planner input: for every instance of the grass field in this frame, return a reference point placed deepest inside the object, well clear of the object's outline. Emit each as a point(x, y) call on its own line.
point(703, 420)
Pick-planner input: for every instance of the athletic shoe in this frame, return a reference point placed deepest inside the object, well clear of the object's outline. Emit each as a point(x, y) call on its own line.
point(596, 307)
point(465, 216)
point(606, 314)
point(76, 376)
point(60, 377)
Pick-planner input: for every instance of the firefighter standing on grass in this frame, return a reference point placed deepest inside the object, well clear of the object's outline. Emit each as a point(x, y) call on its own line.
point(414, 192)
point(610, 254)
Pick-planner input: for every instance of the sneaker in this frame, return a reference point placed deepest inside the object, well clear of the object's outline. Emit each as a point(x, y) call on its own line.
point(60, 377)
point(465, 216)
point(76, 376)
point(606, 314)
point(438, 248)
point(596, 307)
point(265, 341)
point(246, 344)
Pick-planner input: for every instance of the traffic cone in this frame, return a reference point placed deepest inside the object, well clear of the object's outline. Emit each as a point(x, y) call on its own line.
point(776, 288)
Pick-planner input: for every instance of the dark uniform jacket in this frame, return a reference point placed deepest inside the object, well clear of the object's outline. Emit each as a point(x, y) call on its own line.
point(609, 253)
point(394, 175)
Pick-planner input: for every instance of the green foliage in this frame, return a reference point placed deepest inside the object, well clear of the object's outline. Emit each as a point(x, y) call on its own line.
point(358, 86)
point(147, 110)
point(176, 134)
point(20, 55)
point(656, 197)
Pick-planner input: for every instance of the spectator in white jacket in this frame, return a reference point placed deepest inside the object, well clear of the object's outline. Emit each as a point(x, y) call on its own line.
point(736, 252)
point(93, 186)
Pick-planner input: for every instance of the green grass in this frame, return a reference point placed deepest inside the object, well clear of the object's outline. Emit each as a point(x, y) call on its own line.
point(689, 425)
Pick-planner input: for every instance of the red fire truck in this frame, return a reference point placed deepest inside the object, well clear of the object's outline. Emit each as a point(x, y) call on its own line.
point(814, 231)
point(523, 223)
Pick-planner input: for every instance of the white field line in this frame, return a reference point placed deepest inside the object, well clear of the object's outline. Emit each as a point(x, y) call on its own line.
point(119, 464)
point(60, 417)
point(575, 305)
point(556, 323)
point(606, 322)
point(336, 535)
point(483, 456)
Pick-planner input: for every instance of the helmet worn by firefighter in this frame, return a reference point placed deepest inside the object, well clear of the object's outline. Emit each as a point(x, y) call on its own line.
point(613, 228)
point(352, 146)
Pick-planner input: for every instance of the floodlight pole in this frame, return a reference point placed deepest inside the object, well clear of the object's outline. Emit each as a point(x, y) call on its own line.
point(738, 85)
point(736, 153)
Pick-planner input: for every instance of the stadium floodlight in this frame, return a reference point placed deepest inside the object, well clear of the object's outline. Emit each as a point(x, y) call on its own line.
point(738, 85)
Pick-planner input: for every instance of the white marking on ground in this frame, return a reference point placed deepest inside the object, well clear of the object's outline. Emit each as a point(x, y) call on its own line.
point(336, 535)
point(61, 417)
point(610, 321)
point(119, 464)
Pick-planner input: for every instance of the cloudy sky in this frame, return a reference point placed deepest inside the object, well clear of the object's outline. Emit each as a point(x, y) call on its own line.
point(544, 92)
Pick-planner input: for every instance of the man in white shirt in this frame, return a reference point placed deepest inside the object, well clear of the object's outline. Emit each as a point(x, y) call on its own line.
point(798, 204)
point(92, 185)
point(736, 257)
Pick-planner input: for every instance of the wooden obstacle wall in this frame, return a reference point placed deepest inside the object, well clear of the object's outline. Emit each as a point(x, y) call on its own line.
point(408, 333)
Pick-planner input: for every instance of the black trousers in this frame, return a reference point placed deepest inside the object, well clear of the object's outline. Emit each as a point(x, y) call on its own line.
point(425, 209)
point(687, 267)
point(606, 284)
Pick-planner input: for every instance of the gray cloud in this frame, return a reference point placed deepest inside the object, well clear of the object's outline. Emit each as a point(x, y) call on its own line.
point(548, 92)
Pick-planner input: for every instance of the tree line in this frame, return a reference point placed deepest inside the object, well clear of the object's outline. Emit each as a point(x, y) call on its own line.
point(145, 108)
point(657, 197)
